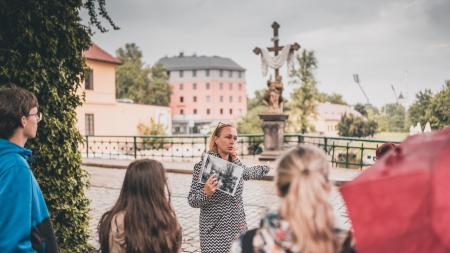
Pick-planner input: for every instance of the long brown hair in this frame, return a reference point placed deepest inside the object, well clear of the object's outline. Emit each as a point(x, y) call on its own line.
point(302, 181)
point(149, 219)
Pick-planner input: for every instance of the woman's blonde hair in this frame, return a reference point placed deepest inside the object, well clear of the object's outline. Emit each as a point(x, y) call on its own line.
point(215, 134)
point(302, 181)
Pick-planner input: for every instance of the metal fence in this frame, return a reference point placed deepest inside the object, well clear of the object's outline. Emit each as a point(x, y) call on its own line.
point(342, 152)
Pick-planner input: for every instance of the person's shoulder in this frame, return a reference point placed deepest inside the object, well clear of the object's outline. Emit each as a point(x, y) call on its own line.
point(14, 162)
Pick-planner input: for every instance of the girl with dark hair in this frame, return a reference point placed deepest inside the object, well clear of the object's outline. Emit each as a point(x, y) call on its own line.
point(222, 216)
point(142, 220)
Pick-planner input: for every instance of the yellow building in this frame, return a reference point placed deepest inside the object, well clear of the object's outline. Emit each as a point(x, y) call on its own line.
point(102, 113)
point(328, 117)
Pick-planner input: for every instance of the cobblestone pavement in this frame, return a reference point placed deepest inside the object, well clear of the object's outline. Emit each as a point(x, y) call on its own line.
point(259, 196)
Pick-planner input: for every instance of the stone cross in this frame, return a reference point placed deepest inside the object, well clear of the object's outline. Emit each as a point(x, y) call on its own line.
point(276, 48)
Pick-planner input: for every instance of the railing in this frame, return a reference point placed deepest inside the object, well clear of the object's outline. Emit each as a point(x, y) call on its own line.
point(342, 151)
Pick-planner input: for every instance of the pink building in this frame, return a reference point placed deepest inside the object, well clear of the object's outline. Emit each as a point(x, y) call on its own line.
point(206, 90)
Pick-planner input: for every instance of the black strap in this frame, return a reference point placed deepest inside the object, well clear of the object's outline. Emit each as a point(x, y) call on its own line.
point(247, 241)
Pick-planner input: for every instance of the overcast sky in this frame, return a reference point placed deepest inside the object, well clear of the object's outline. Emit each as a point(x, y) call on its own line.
point(401, 42)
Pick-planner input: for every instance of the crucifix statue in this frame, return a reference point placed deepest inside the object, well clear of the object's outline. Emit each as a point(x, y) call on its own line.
point(273, 121)
point(274, 94)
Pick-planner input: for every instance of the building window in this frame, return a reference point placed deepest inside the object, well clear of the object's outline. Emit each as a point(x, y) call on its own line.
point(221, 73)
point(89, 123)
point(221, 98)
point(181, 99)
point(240, 99)
point(181, 111)
point(221, 111)
point(230, 73)
point(240, 86)
point(207, 86)
point(194, 99)
point(89, 82)
point(207, 72)
point(181, 73)
point(208, 99)
point(231, 111)
point(194, 73)
point(230, 86)
point(231, 99)
point(240, 74)
point(177, 129)
point(194, 86)
point(221, 86)
point(181, 86)
point(208, 111)
point(168, 73)
point(195, 111)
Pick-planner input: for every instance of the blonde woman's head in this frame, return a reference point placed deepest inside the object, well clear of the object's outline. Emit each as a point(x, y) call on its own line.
point(302, 182)
point(223, 138)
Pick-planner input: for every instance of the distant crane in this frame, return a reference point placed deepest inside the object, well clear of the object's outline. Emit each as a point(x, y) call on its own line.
point(395, 93)
point(356, 79)
point(398, 98)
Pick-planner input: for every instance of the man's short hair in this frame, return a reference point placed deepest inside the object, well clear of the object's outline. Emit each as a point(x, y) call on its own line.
point(15, 102)
point(383, 149)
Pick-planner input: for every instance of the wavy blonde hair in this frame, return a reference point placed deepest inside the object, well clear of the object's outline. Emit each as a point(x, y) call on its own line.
point(302, 182)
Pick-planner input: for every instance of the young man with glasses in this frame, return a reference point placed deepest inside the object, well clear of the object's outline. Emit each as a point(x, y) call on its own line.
point(25, 224)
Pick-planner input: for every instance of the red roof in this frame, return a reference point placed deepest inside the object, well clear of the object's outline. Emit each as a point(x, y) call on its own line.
point(95, 53)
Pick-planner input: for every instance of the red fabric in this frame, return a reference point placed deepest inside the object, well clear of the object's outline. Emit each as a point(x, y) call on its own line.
point(402, 203)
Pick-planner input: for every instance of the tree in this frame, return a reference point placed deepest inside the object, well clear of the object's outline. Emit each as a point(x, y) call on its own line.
point(251, 123)
point(396, 116)
point(303, 98)
point(153, 128)
point(361, 109)
point(419, 111)
point(440, 109)
point(354, 126)
point(140, 83)
point(41, 45)
point(159, 88)
point(333, 98)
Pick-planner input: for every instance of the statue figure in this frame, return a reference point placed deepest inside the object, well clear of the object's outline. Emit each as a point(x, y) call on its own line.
point(273, 96)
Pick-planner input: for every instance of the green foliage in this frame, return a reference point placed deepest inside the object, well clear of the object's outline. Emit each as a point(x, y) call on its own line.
point(251, 123)
point(140, 83)
point(154, 128)
point(304, 97)
point(353, 126)
point(361, 109)
point(396, 117)
point(419, 111)
point(333, 98)
point(41, 50)
point(440, 109)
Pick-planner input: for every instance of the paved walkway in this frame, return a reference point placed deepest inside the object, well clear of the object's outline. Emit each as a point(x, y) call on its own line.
point(259, 196)
point(339, 175)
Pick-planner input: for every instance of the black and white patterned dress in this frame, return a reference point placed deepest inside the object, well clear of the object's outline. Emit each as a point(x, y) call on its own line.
point(222, 217)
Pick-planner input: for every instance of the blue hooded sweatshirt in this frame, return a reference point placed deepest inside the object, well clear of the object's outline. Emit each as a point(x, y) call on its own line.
point(24, 221)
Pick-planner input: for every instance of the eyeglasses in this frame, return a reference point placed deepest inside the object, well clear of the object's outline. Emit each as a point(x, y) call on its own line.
point(38, 116)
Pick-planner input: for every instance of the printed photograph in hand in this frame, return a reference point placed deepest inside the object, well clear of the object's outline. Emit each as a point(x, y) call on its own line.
point(227, 174)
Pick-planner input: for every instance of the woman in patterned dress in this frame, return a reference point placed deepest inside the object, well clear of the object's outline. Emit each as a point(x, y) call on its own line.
point(305, 221)
point(222, 217)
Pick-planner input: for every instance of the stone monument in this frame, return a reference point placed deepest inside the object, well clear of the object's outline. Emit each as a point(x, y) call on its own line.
point(273, 120)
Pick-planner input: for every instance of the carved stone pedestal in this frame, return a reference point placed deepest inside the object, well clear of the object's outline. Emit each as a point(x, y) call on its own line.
point(273, 128)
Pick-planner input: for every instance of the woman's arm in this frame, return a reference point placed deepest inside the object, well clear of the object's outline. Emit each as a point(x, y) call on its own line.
point(197, 197)
point(253, 172)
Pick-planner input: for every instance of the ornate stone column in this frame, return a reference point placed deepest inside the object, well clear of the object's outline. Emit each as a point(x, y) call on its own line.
point(273, 128)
